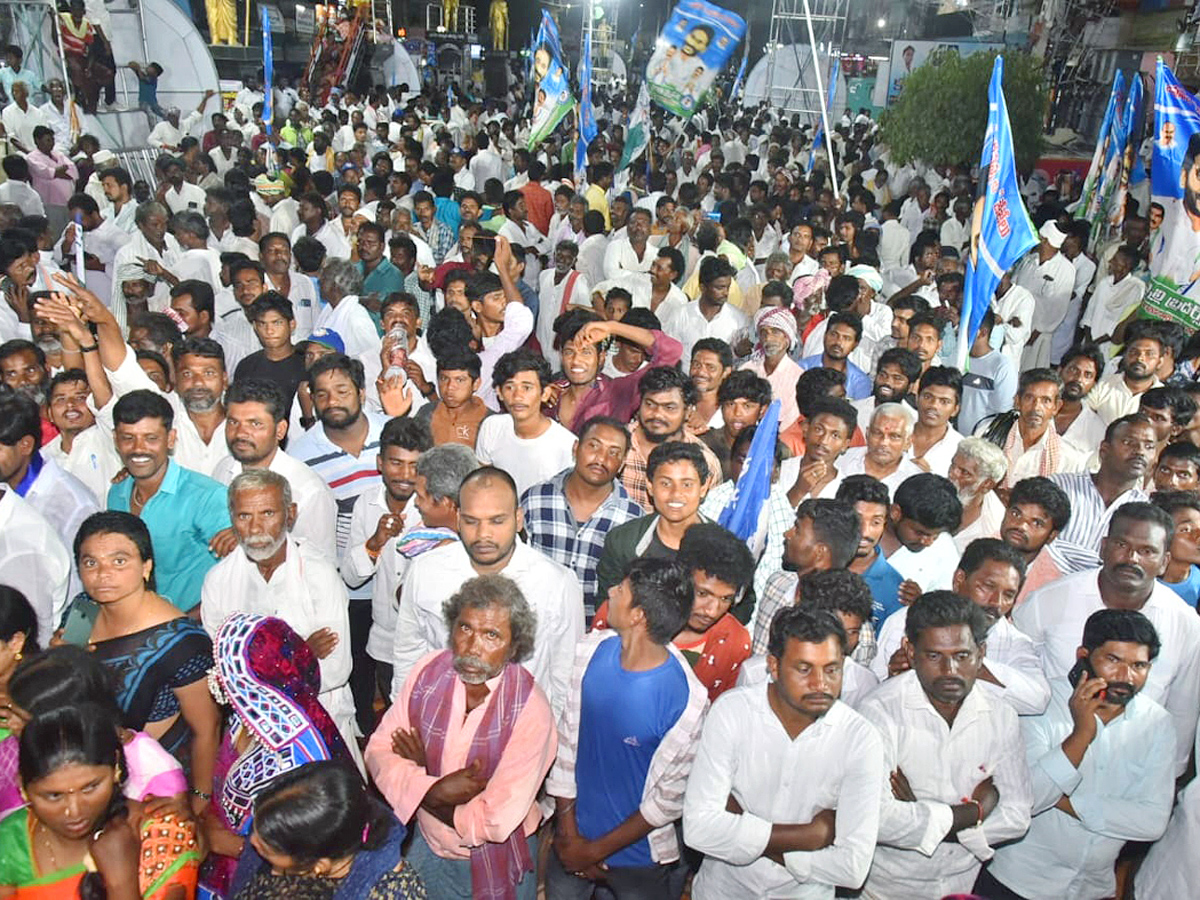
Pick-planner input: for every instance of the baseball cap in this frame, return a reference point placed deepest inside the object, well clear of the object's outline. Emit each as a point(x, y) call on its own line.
point(328, 338)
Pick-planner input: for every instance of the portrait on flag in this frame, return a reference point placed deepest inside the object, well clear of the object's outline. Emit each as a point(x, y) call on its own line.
point(1175, 184)
point(552, 90)
point(694, 47)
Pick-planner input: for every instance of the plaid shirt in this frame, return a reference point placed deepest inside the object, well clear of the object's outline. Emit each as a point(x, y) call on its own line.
point(633, 476)
point(552, 529)
point(439, 237)
point(780, 592)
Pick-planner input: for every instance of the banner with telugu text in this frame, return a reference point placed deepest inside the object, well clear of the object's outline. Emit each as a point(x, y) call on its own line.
point(1163, 301)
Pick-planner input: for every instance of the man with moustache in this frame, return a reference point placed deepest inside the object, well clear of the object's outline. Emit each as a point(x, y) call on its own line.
point(1037, 511)
point(1100, 758)
point(1118, 394)
point(489, 519)
point(1076, 423)
point(1026, 434)
point(959, 782)
point(889, 436)
point(1133, 554)
point(990, 575)
point(763, 836)
point(1126, 454)
point(977, 467)
point(270, 574)
point(898, 371)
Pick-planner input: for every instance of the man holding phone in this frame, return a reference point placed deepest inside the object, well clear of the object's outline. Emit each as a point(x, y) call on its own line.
point(1101, 758)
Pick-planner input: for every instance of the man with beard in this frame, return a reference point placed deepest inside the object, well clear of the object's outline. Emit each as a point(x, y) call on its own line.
point(842, 335)
point(234, 330)
point(60, 497)
point(255, 425)
point(476, 823)
point(711, 363)
point(712, 315)
point(977, 467)
point(1126, 454)
point(343, 450)
point(990, 574)
point(1079, 427)
point(1027, 435)
point(959, 782)
point(275, 254)
point(271, 574)
point(23, 368)
point(776, 330)
point(488, 521)
point(151, 254)
point(735, 796)
point(632, 253)
point(885, 456)
point(823, 536)
point(1100, 759)
point(183, 509)
point(898, 370)
point(666, 401)
point(1176, 251)
point(568, 516)
point(1117, 394)
point(1134, 553)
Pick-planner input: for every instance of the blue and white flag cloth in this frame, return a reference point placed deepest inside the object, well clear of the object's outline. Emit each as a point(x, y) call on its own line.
point(552, 92)
point(268, 111)
point(741, 72)
point(742, 512)
point(637, 132)
point(695, 45)
point(1175, 250)
point(1001, 231)
point(588, 129)
point(1084, 208)
point(832, 92)
point(1129, 161)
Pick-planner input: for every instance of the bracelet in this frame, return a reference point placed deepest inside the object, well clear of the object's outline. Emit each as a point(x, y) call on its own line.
point(201, 794)
point(979, 807)
point(373, 555)
point(91, 349)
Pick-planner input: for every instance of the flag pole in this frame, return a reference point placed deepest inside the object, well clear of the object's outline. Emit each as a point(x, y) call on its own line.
point(812, 43)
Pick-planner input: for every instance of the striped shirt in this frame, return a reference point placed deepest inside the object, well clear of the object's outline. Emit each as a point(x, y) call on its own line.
point(780, 593)
point(347, 476)
point(553, 529)
point(1077, 546)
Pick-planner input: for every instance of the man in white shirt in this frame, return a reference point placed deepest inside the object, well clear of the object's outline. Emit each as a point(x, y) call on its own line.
point(1118, 394)
point(35, 561)
point(80, 447)
point(17, 189)
point(1013, 306)
point(150, 251)
point(102, 239)
point(959, 781)
point(1115, 297)
point(792, 812)
point(1050, 277)
point(956, 230)
point(990, 575)
point(1101, 762)
point(181, 195)
point(269, 574)
point(255, 423)
point(488, 522)
point(486, 163)
point(167, 134)
point(524, 442)
point(20, 117)
point(632, 253)
point(917, 540)
point(1133, 556)
point(341, 282)
point(710, 315)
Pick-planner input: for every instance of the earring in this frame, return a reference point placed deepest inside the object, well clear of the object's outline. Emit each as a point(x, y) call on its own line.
point(19, 656)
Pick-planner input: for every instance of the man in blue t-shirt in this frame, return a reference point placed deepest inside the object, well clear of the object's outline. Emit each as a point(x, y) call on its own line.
point(871, 501)
point(626, 744)
point(1182, 574)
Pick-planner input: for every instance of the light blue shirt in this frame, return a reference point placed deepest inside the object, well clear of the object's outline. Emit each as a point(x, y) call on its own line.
point(184, 514)
point(1122, 791)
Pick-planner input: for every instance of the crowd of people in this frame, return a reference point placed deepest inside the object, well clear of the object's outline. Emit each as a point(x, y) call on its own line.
point(373, 520)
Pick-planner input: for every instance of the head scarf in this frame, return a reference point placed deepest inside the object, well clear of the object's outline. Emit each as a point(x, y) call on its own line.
point(777, 317)
point(808, 285)
point(267, 186)
point(270, 677)
point(868, 274)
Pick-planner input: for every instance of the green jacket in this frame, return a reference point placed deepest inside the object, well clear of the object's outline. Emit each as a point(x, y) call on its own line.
point(623, 545)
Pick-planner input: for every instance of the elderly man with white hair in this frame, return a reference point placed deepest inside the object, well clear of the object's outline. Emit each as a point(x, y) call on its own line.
point(775, 327)
point(977, 467)
point(341, 282)
point(1050, 277)
point(269, 574)
point(889, 436)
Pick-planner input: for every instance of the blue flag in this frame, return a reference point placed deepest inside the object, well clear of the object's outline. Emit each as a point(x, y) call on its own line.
point(741, 73)
point(820, 136)
point(1103, 139)
point(268, 112)
point(588, 129)
point(1176, 119)
point(1128, 162)
point(754, 484)
point(1005, 232)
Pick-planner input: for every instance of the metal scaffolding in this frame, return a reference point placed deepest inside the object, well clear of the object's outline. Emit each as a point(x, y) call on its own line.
point(797, 84)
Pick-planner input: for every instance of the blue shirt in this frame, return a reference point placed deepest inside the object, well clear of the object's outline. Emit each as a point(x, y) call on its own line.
point(623, 718)
point(446, 211)
point(858, 382)
point(884, 582)
point(147, 88)
point(184, 514)
point(1189, 588)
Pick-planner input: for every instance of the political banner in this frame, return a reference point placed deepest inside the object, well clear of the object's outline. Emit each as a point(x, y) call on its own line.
point(1092, 183)
point(753, 487)
point(637, 132)
point(268, 110)
point(552, 93)
point(1129, 159)
point(697, 42)
point(1001, 231)
point(1164, 301)
point(1174, 183)
point(588, 128)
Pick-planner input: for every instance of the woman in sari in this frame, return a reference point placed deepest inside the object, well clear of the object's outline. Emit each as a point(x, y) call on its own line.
point(18, 638)
point(68, 675)
point(76, 838)
point(270, 679)
point(158, 656)
point(318, 834)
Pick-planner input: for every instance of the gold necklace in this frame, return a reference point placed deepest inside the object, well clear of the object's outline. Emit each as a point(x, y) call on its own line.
point(46, 844)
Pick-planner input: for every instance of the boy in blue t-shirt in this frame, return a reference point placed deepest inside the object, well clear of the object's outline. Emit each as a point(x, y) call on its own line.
point(1183, 571)
point(626, 743)
point(148, 76)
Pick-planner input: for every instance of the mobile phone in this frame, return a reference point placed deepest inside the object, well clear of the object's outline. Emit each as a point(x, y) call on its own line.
point(1082, 665)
